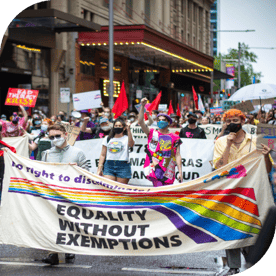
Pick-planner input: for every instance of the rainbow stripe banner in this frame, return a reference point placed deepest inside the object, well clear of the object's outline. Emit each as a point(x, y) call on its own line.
point(66, 209)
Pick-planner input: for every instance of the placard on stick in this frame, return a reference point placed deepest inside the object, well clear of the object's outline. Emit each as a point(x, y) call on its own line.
point(246, 106)
point(266, 134)
point(72, 133)
point(24, 97)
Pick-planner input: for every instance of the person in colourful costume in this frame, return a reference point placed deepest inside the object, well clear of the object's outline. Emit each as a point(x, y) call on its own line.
point(163, 150)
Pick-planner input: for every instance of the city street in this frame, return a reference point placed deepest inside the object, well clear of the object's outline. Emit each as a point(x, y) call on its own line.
point(22, 261)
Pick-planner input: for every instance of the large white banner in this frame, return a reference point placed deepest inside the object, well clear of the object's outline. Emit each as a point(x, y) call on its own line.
point(211, 130)
point(20, 143)
point(196, 154)
point(63, 208)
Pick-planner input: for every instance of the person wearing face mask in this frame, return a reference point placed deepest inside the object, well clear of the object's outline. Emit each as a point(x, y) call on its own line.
point(85, 135)
point(162, 152)
point(42, 141)
point(17, 125)
point(231, 147)
point(62, 152)
point(35, 129)
point(114, 159)
point(175, 121)
point(132, 119)
point(107, 114)
point(95, 116)
point(99, 132)
point(192, 130)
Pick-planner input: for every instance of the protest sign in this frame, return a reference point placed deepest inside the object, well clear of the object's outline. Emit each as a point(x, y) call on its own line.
point(211, 131)
point(266, 134)
point(226, 105)
point(87, 100)
point(24, 97)
point(162, 107)
point(246, 106)
point(216, 110)
point(196, 156)
point(72, 133)
point(251, 129)
point(65, 95)
point(63, 208)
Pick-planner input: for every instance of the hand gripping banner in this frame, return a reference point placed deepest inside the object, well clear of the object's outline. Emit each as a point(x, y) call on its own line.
point(64, 208)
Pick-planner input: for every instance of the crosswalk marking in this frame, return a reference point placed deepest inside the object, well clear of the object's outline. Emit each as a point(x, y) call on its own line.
point(42, 264)
point(171, 271)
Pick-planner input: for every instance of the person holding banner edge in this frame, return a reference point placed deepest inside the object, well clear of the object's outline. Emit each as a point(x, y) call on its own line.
point(163, 150)
point(114, 159)
point(231, 147)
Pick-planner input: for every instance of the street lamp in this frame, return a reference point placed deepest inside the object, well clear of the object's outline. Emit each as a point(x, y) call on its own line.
point(214, 31)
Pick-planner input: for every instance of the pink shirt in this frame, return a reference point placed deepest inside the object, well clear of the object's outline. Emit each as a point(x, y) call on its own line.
point(11, 130)
point(160, 160)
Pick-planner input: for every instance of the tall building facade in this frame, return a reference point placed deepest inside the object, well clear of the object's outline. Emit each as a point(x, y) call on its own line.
point(215, 25)
point(167, 41)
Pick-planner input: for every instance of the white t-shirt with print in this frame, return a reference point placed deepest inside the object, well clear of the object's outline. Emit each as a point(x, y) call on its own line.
point(117, 148)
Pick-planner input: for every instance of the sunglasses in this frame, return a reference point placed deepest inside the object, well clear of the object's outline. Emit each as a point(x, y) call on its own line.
point(54, 136)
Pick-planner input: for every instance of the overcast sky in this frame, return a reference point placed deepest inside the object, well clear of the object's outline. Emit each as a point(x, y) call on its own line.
point(259, 15)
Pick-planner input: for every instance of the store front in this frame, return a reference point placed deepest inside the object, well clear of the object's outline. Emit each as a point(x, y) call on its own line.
point(151, 61)
point(24, 66)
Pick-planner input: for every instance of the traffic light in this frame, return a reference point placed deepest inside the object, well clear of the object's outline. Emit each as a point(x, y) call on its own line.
point(221, 94)
point(229, 95)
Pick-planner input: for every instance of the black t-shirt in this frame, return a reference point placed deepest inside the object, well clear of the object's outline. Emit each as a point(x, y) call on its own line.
point(2, 167)
point(197, 132)
point(99, 133)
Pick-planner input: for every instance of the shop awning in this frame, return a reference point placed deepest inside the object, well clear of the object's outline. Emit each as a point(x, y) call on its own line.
point(52, 20)
point(142, 43)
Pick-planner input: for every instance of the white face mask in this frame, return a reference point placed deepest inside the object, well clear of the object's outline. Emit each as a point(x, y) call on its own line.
point(153, 117)
point(58, 142)
point(93, 115)
point(44, 128)
point(106, 128)
point(131, 119)
point(107, 114)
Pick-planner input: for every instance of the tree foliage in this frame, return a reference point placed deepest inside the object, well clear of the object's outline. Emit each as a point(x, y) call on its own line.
point(247, 72)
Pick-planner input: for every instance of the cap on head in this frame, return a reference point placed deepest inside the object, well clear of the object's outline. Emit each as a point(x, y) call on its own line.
point(103, 120)
point(3, 116)
point(192, 114)
point(167, 116)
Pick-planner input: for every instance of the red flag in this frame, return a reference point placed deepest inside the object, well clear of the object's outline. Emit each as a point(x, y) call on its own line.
point(170, 111)
point(178, 113)
point(195, 97)
point(121, 103)
point(155, 103)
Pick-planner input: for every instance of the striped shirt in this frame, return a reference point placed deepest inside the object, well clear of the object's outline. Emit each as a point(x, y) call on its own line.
point(68, 154)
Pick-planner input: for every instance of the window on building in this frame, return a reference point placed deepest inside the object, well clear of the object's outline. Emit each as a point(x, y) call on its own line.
point(106, 3)
point(200, 10)
point(174, 32)
point(183, 6)
point(195, 12)
point(174, 4)
point(207, 17)
point(147, 12)
point(129, 8)
point(213, 16)
point(194, 41)
point(182, 36)
point(190, 9)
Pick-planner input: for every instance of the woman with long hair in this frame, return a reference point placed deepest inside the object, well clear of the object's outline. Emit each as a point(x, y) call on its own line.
point(114, 160)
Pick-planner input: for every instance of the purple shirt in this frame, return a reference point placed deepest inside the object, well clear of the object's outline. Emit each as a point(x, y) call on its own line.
point(85, 135)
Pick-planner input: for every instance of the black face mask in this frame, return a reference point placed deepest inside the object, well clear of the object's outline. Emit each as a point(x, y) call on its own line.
point(191, 121)
point(234, 127)
point(15, 122)
point(118, 130)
